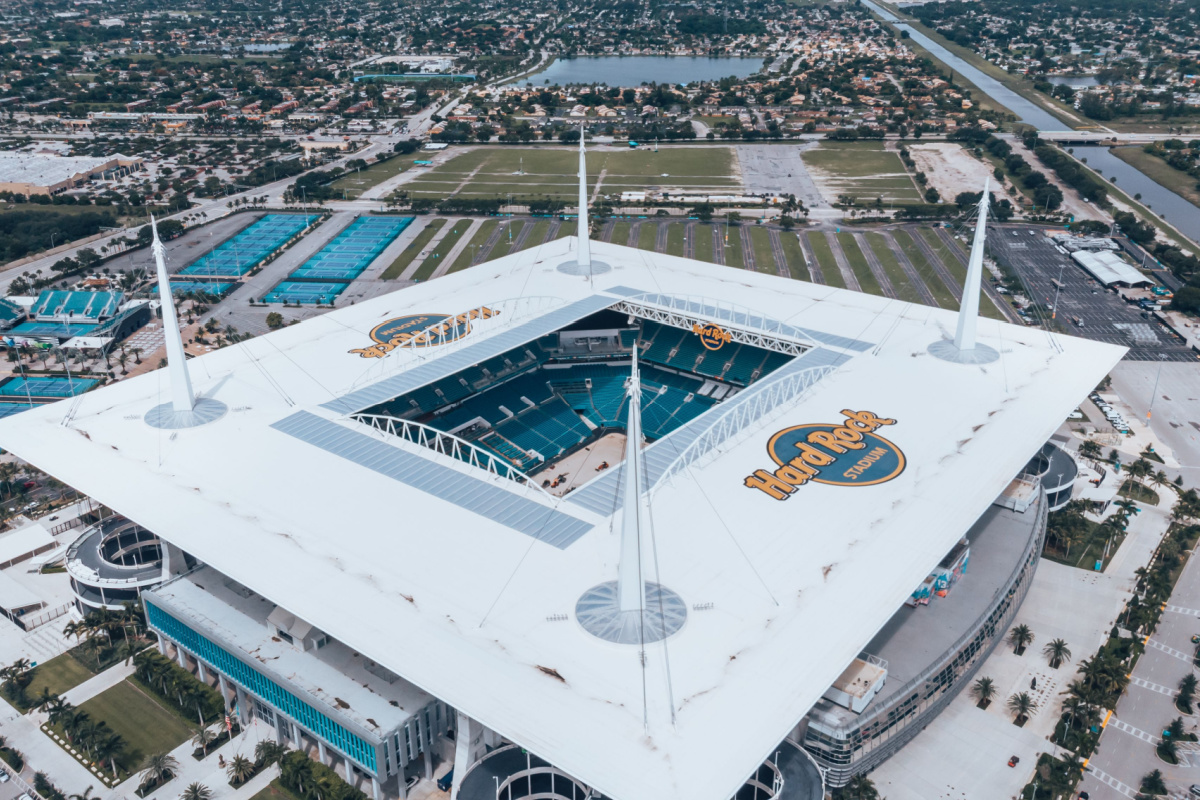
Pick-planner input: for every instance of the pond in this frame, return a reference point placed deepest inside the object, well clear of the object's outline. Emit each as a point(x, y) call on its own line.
point(636, 70)
point(1074, 81)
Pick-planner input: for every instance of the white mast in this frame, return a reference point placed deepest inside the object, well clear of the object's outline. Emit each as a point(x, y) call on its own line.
point(585, 246)
point(182, 399)
point(968, 310)
point(631, 588)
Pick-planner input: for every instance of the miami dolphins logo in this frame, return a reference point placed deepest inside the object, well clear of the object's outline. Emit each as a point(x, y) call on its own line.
point(421, 330)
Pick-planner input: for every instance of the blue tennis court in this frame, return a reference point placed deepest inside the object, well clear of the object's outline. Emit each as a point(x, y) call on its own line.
point(61, 330)
point(8, 409)
point(45, 386)
point(305, 292)
point(213, 289)
point(352, 250)
point(242, 253)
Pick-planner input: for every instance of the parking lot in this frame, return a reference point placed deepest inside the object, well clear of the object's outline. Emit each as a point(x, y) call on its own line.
point(1102, 314)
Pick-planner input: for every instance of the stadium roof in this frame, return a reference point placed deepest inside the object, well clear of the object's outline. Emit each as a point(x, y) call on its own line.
point(455, 578)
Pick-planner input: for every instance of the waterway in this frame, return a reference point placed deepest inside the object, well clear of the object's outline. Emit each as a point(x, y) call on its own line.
point(1179, 212)
point(1026, 110)
point(1074, 81)
point(636, 70)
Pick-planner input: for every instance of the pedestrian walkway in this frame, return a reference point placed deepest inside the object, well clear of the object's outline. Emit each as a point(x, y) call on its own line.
point(99, 683)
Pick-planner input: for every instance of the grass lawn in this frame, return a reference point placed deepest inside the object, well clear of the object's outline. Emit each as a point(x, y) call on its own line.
point(59, 674)
point(945, 298)
point(796, 263)
point(413, 250)
point(959, 270)
point(274, 791)
point(499, 171)
point(764, 256)
point(675, 232)
point(733, 250)
point(620, 232)
point(863, 170)
point(824, 255)
point(858, 263)
point(647, 235)
point(508, 238)
point(537, 234)
point(1160, 172)
point(565, 229)
point(703, 245)
point(434, 259)
point(355, 183)
point(1136, 491)
point(142, 720)
point(891, 266)
point(475, 245)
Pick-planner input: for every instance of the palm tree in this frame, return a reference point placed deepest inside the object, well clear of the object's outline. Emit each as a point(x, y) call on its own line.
point(240, 770)
point(43, 700)
point(267, 752)
point(296, 773)
point(861, 788)
point(983, 690)
point(203, 739)
point(1058, 652)
point(191, 692)
point(1020, 637)
point(107, 748)
point(1021, 705)
point(196, 791)
point(86, 795)
point(158, 768)
point(1187, 693)
point(1152, 783)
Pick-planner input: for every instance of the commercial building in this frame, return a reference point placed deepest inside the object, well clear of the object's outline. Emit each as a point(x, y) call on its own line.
point(41, 174)
point(586, 519)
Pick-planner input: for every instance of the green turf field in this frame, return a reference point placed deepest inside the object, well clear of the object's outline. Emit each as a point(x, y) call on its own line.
point(547, 172)
point(620, 232)
point(647, 235)
point(508, 240)
point(796, 263)
point(733, 250)
point(764, 257)
point(537, 234)
point(59, 674)
point(142, 720)
point(825, 260)
point(863, 170)
point(945, 298)
point(443, 248)
point(891, 265)
point(675, 238)
point(858, 263)
point(565, 229)
point(704, 243)
point(413, 250)
point(475, 245)
point(355, 183)
point(958, 269)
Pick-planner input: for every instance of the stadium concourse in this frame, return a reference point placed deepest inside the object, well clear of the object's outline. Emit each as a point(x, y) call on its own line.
point(370, 546)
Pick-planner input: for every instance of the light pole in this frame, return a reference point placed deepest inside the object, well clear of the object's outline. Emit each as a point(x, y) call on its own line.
point(1162, 357)
point(1057, 286)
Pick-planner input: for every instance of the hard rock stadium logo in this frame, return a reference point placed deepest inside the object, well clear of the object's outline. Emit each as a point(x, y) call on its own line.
point(421, 330)
point(846, 453)
point(713, 337)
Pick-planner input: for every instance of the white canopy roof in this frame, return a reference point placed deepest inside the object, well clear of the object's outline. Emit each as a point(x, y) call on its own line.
point(420, 562)
point(1109, 268)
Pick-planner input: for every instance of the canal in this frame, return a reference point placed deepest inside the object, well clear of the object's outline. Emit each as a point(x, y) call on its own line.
point(636, 70)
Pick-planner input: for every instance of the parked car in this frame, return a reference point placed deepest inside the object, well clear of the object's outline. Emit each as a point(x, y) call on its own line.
point(3, 776)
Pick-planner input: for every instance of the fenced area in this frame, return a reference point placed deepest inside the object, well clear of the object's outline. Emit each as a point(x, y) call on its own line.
point(235, 257)
point(45, 386)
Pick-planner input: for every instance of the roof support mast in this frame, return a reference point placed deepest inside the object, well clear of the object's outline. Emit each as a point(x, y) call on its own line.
point(631, 587)
point(182, 398)
point(184, 410)
point(584, 258)
point(964, 349)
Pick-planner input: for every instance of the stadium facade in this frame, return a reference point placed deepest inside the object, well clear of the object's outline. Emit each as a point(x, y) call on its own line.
point(588, 520)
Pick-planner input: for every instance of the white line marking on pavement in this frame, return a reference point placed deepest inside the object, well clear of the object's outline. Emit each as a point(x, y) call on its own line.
point(1132, 731)
point(1191, 612)
point(1154, 687)
point(1104, 777)
point(1171, 651)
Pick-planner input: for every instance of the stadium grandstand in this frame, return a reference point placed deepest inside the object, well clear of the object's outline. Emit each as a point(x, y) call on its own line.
point(790, 520)
point(56, 316)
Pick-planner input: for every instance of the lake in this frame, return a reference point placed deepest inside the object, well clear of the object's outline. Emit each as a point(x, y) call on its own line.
point(636, 70)
point(1074, 81)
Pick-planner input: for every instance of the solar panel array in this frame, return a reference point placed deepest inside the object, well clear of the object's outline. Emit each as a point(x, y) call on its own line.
point(327, 274)
point(237, 256)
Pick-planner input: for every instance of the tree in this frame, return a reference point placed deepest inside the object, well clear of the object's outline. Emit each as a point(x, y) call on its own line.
point(203, 738)
point(1187, 693)
point(1152, 783)
point(158, 768)
point(268, 752)
point(1021, 705)
point(108, 747)
point(983, 690)
point(860, 787)
point(1057, 652)
point(85, 795)
point(196, 791)
point(1090, 449)
point(240, 770)
point(274, 320)
point(1020, 637)
point(931, 195)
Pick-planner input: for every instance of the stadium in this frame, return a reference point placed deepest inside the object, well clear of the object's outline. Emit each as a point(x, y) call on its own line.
point(587, 520)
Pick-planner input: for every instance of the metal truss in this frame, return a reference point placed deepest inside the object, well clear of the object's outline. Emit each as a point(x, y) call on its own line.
point(744, 326)
point(744, 411)
point(450, 445)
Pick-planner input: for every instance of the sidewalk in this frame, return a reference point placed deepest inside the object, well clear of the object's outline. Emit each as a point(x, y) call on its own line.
point(99, 683)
